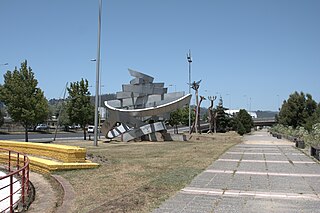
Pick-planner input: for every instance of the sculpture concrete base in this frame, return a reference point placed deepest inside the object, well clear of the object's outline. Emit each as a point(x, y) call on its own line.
point(143, 130)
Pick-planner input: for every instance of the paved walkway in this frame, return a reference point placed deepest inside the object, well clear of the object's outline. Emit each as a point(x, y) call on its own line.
point(262, 174)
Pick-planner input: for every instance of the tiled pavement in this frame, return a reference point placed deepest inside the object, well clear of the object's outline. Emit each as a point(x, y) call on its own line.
point(262, 174)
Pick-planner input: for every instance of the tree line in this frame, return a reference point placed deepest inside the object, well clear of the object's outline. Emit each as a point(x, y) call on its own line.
point(299, 117)
point(241, 122)
point(26, 104)
point(299, 110)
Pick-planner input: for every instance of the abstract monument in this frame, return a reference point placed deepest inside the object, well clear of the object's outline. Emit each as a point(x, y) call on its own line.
point(141, 109)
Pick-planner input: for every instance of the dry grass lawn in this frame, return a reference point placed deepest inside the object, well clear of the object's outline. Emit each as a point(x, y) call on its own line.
point(137, 177)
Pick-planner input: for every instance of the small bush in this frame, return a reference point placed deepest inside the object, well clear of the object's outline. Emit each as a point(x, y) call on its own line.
point(240, 129)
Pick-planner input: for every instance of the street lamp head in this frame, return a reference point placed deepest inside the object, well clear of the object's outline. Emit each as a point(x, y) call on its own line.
point(189, 57)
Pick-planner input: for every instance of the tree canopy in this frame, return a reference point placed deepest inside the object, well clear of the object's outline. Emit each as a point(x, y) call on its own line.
point(243, 121)
point(222, 120)
point(297, 110)
point(180, 116)
point(79, 108)
point(25, 102)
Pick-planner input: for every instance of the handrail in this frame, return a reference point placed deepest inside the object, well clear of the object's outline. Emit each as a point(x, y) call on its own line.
point(16, 166)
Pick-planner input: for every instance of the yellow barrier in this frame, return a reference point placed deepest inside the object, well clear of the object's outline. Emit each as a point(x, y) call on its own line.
point(57, 157)
point(63, 153)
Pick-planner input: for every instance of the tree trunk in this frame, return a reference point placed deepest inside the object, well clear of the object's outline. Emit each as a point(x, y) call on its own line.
point(176, 129)
point(215, 122)
point(84, 133)
point(197, 109)
point(198, 127)
point(26, 134)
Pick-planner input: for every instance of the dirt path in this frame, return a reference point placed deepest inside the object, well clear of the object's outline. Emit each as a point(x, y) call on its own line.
point(45, 196)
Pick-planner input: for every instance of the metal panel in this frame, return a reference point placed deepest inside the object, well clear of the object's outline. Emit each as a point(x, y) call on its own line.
point(146, 78)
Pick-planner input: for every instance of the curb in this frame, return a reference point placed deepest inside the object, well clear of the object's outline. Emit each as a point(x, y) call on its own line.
point(69, 194)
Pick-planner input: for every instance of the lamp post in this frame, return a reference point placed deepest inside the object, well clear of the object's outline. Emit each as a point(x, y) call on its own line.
point(100, 85)
point(96, 113)
point(246, 97)
point(189, 61)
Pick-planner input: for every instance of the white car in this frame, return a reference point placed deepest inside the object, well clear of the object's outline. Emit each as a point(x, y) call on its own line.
point(90, 129)
point(41, 127)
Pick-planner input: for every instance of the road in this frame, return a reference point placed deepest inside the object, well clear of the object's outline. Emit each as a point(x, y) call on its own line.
point(44, 136)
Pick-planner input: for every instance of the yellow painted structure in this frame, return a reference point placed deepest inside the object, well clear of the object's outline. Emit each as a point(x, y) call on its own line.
point(49, 157)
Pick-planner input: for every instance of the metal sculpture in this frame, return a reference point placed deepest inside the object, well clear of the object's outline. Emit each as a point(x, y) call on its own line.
point(141, 109)
point(211, 114)
point(195, 86)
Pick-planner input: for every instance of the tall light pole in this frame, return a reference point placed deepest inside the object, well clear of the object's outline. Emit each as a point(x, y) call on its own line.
point(100, 94)
point(189, 61)
point(96, 113)
point(246, 97)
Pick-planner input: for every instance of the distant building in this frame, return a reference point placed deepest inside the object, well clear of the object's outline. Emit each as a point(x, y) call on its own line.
point(233, 112)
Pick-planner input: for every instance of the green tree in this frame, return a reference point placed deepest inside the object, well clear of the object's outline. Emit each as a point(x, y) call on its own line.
point(175, 119)
point(313, 119)
point(244, 119)
point(25, 102)
point(222, 118)
point(185, 115)
point(240, 129)
point(79, 108)
point(180, 116)
point(297, 109)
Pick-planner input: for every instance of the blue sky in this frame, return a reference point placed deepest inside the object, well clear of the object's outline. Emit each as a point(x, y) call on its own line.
point(254, 53)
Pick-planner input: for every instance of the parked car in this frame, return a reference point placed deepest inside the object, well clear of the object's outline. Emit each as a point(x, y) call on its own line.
point(41, 127)
point(74, 127)
point(90, 129)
